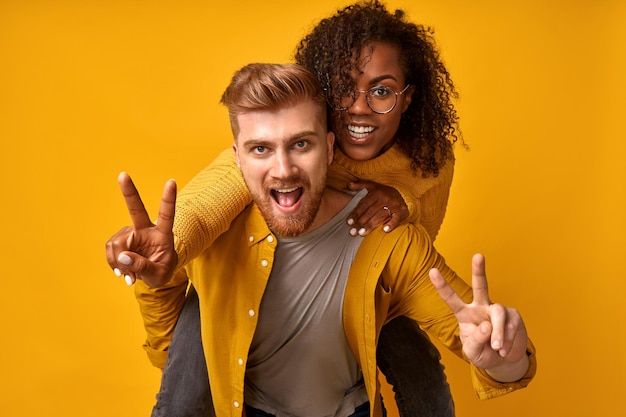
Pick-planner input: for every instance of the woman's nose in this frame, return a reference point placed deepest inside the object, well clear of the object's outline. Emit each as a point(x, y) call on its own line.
point(360, 104)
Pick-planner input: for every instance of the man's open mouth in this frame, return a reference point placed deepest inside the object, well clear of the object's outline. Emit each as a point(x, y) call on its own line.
point(287, 197)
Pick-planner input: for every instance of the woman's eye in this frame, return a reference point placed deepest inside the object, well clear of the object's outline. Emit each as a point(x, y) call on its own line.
point(380, 92)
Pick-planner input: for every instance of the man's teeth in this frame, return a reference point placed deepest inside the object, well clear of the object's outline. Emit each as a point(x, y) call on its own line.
point(288, 190)
point(360, 132)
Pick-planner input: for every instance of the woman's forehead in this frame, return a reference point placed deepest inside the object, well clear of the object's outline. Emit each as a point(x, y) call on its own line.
point(377, 59)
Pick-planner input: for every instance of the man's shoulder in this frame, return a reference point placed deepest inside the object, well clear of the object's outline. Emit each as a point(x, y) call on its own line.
point(338, 199)
point(408, 231)
point(404, 237)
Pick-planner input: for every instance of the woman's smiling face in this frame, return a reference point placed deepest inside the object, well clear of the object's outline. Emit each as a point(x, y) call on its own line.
point(361, 133)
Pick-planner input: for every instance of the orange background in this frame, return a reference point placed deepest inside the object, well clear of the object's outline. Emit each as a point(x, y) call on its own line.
point(91, 88)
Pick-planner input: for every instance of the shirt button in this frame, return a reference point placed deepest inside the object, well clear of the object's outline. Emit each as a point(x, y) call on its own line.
point(240, 361)
point(251, 313)
point(251, 238)
point(270, 238)
point(236, 404)
point(264, 262)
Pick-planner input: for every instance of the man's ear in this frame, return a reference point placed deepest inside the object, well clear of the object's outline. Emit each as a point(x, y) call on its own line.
point(330, 140)
point(236, 150)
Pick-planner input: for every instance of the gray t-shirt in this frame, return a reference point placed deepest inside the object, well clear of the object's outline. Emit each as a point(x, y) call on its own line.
point(300, 363)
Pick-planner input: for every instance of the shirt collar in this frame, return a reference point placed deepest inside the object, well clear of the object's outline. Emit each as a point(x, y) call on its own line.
point(256, 227)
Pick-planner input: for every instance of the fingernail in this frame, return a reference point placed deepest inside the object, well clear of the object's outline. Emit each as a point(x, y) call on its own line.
point(350, 222)
point(129, 280)
point(362, 231)
point(124, 259)
point(117, 272)
point(353, 231)
point(386, 228)
point(496, 344)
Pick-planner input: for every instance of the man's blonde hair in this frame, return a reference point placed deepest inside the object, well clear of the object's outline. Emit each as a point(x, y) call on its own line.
point(271, 87)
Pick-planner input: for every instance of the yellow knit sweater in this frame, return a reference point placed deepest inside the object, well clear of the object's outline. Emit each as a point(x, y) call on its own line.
point(216, 195)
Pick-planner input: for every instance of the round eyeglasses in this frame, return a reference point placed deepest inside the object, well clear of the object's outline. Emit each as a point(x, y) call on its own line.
point(380, 99)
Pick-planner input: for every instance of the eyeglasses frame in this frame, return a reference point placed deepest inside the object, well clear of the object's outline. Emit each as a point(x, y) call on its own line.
point(369, 104)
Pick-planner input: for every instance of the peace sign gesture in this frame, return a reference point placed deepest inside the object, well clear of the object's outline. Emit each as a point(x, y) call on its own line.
point(145, 250)
point(494, 337)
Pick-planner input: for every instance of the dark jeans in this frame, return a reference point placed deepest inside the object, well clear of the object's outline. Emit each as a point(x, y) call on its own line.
point(405, 355)
point(185, 390)
point(412, 366)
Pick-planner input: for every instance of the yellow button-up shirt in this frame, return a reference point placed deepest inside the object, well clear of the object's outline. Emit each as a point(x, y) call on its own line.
point(388, 278)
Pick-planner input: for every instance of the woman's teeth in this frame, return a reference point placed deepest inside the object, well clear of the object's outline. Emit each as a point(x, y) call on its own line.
point(360, 132)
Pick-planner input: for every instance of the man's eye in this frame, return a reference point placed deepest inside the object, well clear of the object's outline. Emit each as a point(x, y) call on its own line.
point(259, 149)
point(301, 144)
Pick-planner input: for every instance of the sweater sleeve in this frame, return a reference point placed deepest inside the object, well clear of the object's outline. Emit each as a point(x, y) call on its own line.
point(426, 197)
point(207, 205)
point(433, 203)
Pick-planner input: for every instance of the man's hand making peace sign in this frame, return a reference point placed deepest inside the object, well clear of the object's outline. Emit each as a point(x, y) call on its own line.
point(494, 336)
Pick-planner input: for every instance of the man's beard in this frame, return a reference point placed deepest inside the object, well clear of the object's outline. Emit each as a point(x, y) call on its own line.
point(294, 224)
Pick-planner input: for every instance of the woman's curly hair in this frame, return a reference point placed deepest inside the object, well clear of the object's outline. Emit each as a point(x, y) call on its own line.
point(429, 126)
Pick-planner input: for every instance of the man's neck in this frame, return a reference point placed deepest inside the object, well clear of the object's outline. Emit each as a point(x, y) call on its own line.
point(333, 202)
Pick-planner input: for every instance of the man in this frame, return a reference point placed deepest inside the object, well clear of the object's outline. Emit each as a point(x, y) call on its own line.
point(291, 304)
